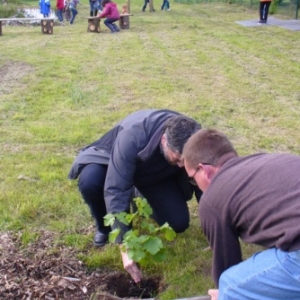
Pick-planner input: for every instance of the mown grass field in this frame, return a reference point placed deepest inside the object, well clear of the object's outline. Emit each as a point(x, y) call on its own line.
point(60, 92)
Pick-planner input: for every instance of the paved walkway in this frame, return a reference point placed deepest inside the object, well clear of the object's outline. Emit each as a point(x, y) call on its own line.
point(288, 24)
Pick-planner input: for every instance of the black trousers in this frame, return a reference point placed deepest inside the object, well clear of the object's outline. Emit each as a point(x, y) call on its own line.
point(264, 11)
point(167, 198)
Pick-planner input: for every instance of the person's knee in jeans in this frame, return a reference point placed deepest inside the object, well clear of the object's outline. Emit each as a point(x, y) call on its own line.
point(109, 24)
point(233, 285)
point(115, 27)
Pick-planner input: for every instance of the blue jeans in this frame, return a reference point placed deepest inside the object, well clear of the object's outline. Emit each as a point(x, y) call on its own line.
point(268, 275)
point(165, 5)
point(109, 22)
point(94, 7)
point(74, 13)
point(59, 14)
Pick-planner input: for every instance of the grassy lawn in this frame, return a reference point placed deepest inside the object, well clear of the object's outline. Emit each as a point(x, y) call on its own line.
point(60, 92)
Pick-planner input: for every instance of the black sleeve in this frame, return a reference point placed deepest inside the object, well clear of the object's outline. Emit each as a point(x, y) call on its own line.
point(120, 173)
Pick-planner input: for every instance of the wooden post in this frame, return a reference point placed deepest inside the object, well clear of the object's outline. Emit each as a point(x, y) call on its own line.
point(47, 26)
point(124, 22)
point(128, 6)
point(0, 27)
point(94, 24)
point(151, 5)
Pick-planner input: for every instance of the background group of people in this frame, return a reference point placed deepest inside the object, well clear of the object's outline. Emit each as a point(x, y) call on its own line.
point(165, 5)
point(168, 158)
point(67, 9)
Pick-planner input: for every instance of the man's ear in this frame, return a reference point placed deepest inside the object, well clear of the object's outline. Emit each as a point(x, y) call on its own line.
point(163, 139)
point(208, 170)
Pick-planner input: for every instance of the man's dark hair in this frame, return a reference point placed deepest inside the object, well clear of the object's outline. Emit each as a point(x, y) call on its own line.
point(208, 146)
point(178, 130)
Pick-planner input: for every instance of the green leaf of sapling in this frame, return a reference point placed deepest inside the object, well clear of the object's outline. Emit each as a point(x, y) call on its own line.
point(144, 208)
point(153, 245)
point(130, 217)
point(148, 226)
point(109, 219)
point(113, 235)
point(122, 217)
point(170, 234)
point(136, 255)
point(160, 255)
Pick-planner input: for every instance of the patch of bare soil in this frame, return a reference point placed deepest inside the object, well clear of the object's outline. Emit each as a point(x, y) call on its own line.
point(34, 273)
point(11, 74)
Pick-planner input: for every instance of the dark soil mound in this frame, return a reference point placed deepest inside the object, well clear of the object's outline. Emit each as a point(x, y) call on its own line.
point(34, 273)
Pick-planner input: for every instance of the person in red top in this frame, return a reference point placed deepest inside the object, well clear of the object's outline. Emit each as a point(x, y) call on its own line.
point(60, 5)
point(110, 11)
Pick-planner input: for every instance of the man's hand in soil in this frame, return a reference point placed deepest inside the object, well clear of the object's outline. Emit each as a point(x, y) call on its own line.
point(214, 294)
point(131, 267)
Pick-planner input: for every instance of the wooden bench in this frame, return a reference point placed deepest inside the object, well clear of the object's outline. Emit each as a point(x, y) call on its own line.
point(124, 21)
point(94, 23)
point(46, 23)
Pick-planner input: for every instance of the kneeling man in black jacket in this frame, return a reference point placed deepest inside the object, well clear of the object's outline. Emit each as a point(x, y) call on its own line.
point(143, 151)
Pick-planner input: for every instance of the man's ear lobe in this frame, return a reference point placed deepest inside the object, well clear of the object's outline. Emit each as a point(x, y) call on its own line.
point(163, 140)
point(209, 171)
point(204, 168)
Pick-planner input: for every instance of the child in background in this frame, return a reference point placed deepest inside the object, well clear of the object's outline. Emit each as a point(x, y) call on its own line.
point(99, 6)
point(60, 4)
point(73, 8)
point(110, 11)
point(45, 7)
point(165, 5)
point(67, 11)
point(94, 7)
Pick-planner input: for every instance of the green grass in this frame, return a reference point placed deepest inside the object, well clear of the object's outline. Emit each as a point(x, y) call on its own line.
point(60, 92)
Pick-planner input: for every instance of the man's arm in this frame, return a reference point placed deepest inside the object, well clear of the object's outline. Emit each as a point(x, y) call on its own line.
point(119, 184)
point(131, 267)
point(223, 241)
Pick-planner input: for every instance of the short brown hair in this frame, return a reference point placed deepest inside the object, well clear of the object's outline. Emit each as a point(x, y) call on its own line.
point(206, 146)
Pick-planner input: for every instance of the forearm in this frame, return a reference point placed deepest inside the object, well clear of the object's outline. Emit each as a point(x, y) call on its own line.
point(130, 266)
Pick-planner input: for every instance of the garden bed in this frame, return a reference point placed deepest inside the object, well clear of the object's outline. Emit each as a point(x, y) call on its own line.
point(34, 273)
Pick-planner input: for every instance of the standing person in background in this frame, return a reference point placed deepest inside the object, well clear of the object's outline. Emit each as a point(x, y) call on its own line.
point(45, 8)
point(264, 11)
point(150, 4)
point(145, 5)
point(60, 5)
point(165, 5)
point(67, 11)
point(110, 11)
point(94, 6)
point(73, 8)
point(99, 6)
